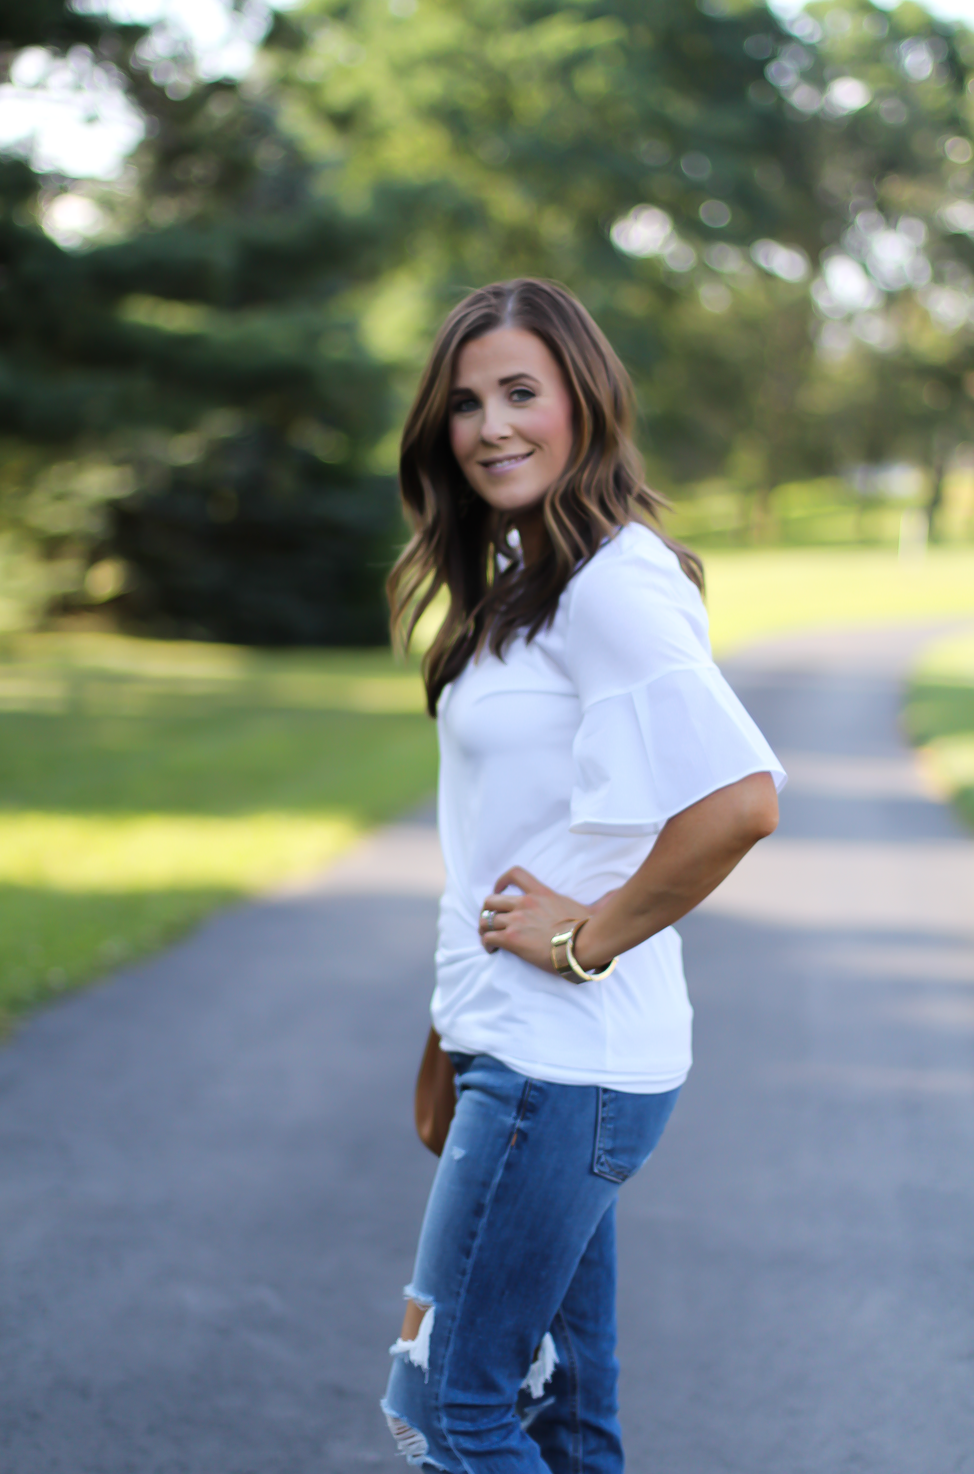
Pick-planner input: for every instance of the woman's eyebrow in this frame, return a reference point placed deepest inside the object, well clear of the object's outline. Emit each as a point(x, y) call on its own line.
point(508, 379)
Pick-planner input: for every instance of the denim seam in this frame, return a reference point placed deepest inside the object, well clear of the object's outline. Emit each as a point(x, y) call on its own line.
point(602, 1164)
point(468, 1269)
point(577, 1450)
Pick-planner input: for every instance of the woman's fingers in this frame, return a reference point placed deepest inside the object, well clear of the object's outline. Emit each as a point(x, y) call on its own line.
point(523, 922)
point(497, 906)
point(492, 916)
point(497, 940)
point(501, 903)
point(492, 930)
point(524, 881)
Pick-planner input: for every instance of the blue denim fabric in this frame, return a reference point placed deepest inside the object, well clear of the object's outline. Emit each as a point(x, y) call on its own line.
point(517, 1261)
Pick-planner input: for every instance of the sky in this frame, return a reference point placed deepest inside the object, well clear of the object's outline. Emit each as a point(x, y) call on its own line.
point(962, 10)
point(69, 117)
point(950, 10)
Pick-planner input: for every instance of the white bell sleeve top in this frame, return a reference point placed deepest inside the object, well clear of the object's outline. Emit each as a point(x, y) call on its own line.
point(567, 756)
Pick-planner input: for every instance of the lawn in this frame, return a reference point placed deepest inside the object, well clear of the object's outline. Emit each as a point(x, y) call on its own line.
point(751, 595)
point(939, 716)
point(145, 783)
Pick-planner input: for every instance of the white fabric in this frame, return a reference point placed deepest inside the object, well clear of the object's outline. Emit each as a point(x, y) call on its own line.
point(567, 757)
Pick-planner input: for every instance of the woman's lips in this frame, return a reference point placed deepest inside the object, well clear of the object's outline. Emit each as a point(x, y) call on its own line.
point(498, 468)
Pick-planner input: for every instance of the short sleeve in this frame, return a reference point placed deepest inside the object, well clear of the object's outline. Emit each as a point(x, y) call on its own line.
point(660, 727)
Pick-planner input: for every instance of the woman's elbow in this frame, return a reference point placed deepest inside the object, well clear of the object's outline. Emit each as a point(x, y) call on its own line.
point(766, 822)
point(756, 809)
point(761, 810)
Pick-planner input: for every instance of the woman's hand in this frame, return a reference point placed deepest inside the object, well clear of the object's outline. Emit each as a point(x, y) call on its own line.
point(694, 852)
point(525, 924)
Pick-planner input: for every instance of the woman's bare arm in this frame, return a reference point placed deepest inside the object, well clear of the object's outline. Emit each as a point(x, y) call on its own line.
point(695, 851)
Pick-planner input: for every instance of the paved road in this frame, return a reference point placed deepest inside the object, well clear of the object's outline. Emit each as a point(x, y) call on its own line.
point(209, 1188)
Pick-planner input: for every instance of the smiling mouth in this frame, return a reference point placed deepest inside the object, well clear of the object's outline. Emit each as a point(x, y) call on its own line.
point(506, 463)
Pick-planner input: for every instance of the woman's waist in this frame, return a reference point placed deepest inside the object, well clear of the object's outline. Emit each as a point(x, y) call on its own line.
point(638, 1022)
point(462, 958)
point(584, 877)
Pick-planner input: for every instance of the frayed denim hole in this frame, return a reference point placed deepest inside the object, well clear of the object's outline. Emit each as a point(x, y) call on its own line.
point(529, 1414)
point(542, 1369)
point(410, 1442)
point(417, 1351)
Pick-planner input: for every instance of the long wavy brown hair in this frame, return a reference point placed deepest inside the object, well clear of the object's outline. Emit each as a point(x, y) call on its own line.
point(461, 543)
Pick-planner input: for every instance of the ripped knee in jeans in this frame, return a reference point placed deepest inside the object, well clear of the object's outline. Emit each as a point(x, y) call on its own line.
point(542, 1368)
point(417, 1330)
point(410, 1442)
point(413, 1344)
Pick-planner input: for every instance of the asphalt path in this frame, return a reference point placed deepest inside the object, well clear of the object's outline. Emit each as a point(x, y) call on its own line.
point(210, 1190)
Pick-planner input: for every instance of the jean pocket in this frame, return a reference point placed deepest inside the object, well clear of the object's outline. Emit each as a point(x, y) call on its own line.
point(628, 1128)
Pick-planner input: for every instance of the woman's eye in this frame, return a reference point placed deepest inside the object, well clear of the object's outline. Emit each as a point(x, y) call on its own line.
point(522, 395)
point(464, 406)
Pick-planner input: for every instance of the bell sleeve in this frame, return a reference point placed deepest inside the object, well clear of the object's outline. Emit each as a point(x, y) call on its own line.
point(660, 727)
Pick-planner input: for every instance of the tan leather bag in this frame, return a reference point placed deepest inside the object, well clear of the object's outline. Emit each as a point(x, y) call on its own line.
point(435, 1099)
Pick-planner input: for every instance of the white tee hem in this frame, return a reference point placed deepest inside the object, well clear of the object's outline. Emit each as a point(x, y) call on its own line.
point(638, 1084)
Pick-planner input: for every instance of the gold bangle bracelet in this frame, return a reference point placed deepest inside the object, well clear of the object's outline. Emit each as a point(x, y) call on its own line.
point(563, 958)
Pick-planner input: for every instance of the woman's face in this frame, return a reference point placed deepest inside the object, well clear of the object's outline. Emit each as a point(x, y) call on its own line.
point(510, 418)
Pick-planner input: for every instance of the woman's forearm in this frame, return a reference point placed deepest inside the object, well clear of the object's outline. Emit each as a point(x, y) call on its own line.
point(695, 851)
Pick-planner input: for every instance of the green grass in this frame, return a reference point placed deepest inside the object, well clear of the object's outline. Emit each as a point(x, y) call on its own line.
point(144, 783)
point(939, 716)
point(752, 595)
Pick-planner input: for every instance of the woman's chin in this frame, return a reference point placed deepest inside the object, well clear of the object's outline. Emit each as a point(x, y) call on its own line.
point(512, 498)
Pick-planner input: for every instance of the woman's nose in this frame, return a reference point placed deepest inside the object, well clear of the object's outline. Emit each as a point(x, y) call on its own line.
point(496, 425)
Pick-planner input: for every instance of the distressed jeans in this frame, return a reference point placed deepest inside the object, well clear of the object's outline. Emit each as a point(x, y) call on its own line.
point(513, 1368)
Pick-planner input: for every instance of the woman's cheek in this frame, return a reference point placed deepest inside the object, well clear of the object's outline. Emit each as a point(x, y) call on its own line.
point(551, 427)
point(462, 442)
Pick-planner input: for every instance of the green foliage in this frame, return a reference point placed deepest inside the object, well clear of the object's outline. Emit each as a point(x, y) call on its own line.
point(822, 512)
point(259, 539)
point(772, 220)
point(558, 121)
point(81, 364)
point(49, 23)
point(224, 294)
point(555, 122)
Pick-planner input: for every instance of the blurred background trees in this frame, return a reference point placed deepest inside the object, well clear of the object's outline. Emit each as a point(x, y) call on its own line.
point(187, 406)
point(206, 346)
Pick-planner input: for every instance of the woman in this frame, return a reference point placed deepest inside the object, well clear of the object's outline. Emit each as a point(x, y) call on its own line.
point(598, 779)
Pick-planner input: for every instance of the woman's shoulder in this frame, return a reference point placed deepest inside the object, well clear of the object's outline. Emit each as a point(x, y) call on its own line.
point(635, 563)
point(632, 613)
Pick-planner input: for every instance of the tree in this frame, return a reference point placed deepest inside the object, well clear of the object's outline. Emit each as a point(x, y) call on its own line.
point(557, 121)
point(772, 219)
point(235, 303)
point(688, 168)
point(896, 290)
